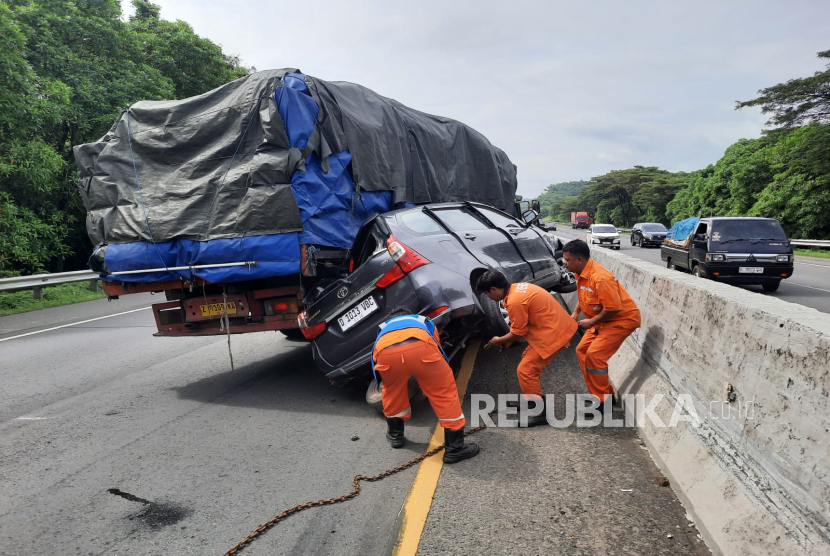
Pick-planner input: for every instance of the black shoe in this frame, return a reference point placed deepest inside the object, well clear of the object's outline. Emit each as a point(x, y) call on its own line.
point(394, 432)
point(454, 448)
point(601, 409)
point(537, 420)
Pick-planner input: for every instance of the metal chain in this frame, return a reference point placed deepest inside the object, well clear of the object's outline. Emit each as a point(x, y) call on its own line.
point(355, 482)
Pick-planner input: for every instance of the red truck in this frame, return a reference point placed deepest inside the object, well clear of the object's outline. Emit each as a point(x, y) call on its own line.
point(581, 220)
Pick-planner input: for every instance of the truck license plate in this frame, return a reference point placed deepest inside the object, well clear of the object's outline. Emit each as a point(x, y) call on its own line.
point(357, 313)
point(751, 270)
point(216, 309)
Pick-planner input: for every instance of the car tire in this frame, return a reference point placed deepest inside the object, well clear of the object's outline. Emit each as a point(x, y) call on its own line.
point(495, 322)
point(374, 393)
point(294, 334)
point(670, 265)
point(642, 245)
point(771, 286)
point(617, 247)
point(696, 271)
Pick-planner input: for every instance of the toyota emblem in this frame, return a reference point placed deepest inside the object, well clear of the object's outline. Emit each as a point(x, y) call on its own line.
point(342, 292)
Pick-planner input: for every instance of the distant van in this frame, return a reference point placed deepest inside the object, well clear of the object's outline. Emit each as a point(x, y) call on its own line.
point(731, 249)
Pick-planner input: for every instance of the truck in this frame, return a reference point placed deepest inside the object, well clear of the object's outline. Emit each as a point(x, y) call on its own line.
point(581, 220)
point(237, 203)
point(734, 250)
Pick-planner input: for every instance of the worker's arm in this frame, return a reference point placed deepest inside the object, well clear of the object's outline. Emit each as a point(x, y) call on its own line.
point(603, 316)
point(608, 292)
point(518, 326)
point(577, 310)
point(504, 341)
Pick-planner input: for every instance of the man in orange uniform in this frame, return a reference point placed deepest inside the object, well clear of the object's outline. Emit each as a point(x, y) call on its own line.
point(409, 345)
point(536, 316)
point(612, 317)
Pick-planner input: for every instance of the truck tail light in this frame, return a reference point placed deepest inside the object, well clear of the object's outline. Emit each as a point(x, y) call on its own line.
point(280, 306)
point(406, 260)
point(310, 332)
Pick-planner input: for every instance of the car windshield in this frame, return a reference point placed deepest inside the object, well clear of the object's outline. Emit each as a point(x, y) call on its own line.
point(653, 228)
point(604, 230)
point(733, 230)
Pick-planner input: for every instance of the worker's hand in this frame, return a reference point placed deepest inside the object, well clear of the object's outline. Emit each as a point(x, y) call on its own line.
point(575, 316)
point(585, 324)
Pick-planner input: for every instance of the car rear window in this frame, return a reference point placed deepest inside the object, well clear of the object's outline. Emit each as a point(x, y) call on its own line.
point(461, 220)
point(723, 230)
point(653, 228)
point(604, 229)
point(419, 222)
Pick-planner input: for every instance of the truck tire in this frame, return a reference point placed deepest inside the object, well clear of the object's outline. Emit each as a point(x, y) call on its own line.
point(696, 271)
point(670, 265)
point(771, 286)
point(495, 316)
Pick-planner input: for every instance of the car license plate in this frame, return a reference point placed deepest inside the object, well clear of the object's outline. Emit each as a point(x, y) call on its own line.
point(751, 270)
point(216, 309)
point(357, 313)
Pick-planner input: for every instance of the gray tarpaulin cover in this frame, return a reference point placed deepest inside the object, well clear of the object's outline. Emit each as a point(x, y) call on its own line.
point(250, 170)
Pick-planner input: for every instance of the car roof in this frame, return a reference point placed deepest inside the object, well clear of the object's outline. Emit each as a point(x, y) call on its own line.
point(454, 204)
point(716, 218)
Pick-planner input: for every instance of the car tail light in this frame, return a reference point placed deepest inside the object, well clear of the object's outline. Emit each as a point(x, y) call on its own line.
point(310, 332)
point(280, 306)
point(406, 259)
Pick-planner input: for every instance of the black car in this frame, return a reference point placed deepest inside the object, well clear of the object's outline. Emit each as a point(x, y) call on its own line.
point(425, 260)
point(648, 233)
point(736, 251)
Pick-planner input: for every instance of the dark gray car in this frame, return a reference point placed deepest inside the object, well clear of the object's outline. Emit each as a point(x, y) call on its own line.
point(425, 260)
point(648, 233)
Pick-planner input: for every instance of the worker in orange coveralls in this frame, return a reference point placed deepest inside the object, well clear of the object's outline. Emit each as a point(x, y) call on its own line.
point(611, 317)
point(409, 345)
point(536, 316)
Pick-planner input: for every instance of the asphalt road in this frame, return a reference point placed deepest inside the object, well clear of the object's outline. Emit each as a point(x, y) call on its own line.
point(91, 401)
point(104, 404)
point(809, 284)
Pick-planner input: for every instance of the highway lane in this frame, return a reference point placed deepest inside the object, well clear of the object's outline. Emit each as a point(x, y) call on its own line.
point(103, 404)
point(809, 284)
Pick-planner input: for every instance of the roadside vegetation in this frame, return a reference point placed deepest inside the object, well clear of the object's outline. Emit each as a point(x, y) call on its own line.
point(821, 253)
point(785, 174)
point(53, 296)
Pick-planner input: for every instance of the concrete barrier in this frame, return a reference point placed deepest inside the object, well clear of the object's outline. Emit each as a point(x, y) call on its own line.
point(755, 473)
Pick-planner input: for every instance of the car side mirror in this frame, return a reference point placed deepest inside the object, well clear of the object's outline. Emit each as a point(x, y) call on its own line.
point(700, 237)
point(529, 216)
point(558, 254)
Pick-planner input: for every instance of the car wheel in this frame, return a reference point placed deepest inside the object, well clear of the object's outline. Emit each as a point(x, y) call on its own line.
point(617, 247)
point(374, 393)
point(642, 245)
point(670, 265)
point(696, 272)
point(771, 286)
point(294, 334)
point(496, 320)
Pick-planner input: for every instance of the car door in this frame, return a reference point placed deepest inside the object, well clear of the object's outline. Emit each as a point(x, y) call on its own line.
point(699, 243)
point(532, 247)
point(487, 244)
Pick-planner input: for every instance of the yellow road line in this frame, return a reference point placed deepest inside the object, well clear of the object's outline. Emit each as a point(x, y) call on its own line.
point(419, 500)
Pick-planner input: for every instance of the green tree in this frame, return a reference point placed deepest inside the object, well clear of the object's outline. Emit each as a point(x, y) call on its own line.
point(796, 102)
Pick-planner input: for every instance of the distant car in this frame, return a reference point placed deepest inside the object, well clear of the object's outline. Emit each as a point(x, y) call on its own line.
point(603, 235)
point(548, 226)
point(425, 260)
point(648, 233)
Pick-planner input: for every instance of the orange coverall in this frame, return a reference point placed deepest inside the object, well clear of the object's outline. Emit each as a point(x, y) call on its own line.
point(598, 289)
point(547, 327)
point(412, 351)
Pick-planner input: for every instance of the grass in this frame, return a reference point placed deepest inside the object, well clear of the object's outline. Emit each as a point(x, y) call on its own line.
point(823, 253)
point(53, 296)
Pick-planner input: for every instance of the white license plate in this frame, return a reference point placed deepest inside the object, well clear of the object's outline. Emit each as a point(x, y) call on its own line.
point(357, 313)
point(751, 269)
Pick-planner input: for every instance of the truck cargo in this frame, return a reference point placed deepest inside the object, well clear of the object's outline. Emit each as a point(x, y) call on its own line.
point(581, 220)
point(236, 202)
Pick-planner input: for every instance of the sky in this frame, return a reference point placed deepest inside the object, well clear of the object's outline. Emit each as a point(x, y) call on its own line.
point(569, 90)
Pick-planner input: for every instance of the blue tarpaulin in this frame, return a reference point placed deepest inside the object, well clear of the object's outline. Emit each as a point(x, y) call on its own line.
point(681, 231)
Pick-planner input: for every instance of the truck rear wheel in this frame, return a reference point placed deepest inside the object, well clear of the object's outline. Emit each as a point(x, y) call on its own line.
point(670, 265)
point(771, 286)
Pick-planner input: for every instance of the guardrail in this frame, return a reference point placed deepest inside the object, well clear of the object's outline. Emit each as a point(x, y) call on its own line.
point(37, 282)
point(825, 243)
